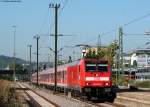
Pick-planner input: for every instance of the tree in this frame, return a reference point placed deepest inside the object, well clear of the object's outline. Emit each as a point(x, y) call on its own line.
point(89, 54)
point(134, 64)
point(104, 52)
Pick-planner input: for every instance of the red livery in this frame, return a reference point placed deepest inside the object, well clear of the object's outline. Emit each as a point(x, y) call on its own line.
point(90, 77)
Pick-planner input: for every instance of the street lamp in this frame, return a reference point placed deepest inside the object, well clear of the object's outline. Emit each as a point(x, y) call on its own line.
point(53, 49)
point(30, 62)
point(14, 54)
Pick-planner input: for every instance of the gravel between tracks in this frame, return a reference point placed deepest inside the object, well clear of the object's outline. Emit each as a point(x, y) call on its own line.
point(60, 100)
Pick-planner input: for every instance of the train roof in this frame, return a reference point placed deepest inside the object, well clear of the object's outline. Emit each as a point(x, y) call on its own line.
point(60, 67)
point(64, 66)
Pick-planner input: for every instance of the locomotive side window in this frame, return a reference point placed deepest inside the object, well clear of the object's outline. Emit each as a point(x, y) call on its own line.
point(102, 67)
point(91, 67)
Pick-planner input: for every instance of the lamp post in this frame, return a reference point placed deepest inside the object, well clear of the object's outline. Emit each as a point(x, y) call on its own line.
point(14, 54)
point(30, 63)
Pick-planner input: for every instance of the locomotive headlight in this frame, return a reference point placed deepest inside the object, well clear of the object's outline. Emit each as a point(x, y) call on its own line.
point(106, 84)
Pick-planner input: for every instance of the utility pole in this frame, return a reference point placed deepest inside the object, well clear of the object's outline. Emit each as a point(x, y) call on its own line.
point(55, 6)
point(14, 55)
point(37, 38)
point(30, 63)
point(121, 70)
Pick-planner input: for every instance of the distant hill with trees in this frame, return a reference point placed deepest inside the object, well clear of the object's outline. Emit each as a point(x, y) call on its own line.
point(6, 61)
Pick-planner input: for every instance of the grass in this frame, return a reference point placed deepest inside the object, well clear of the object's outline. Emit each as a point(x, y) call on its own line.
point(142, 84)
point(8, 96)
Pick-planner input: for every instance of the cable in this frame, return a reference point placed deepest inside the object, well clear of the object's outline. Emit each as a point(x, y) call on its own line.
point(124, 25)
point(61, 10)
point(44, 21)
point(64, 5)
point(137, 19)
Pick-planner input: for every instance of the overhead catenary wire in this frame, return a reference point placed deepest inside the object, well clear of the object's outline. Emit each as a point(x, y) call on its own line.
point(46, 17)
point(53, 23)
point(124, 25)
point(44, 21)
point(60, 12)
point(114, 29)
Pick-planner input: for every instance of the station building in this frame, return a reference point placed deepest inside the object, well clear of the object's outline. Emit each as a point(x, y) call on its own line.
point(139, 62)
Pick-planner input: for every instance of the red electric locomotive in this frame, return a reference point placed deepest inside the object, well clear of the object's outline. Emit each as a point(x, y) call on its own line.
point(89, 77)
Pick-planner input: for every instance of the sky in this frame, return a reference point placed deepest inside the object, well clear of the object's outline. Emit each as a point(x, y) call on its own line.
point(83, 20)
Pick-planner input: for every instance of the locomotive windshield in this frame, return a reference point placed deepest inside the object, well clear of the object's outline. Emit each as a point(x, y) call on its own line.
point(102, 67)
point(91, 67)
point(98, 67)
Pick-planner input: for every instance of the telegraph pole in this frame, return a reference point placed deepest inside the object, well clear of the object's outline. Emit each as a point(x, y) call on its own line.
point(55, 6)
point(120, 51)
point(30, 46)
point(37, 38)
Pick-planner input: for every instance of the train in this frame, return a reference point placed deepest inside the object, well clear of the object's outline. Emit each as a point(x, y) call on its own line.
point(90, 77)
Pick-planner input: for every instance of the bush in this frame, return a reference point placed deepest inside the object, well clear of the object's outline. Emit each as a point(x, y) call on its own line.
point(143, 84)
point(4, 91)
point(8, 96)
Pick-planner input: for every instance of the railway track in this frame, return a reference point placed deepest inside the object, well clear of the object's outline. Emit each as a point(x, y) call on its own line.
point(130, 102)
point(36, 99)
point(85, 101)
point(119, 102)
point(135, 98)
point(97, 103)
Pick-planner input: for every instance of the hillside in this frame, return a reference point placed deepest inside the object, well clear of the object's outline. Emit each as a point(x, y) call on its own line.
point(6, 60)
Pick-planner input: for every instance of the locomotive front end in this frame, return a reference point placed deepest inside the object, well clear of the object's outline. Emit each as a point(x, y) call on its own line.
point(96, 79)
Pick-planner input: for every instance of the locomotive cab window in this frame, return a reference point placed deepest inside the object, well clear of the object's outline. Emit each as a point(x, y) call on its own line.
point(102, 67)
point(91, 67)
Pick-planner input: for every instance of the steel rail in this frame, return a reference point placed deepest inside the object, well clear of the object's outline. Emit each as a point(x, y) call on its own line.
point(34, 102)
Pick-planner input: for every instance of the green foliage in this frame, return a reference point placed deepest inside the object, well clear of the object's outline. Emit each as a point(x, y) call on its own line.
point(112, 50)
point(89, 54)
point(113, 47)
point(94, 55)
point(142, 84)
point(5, 61)
point(100, 54)
point(121, 80)
point(134, 64)
point(104, 52)
point(8, 96)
